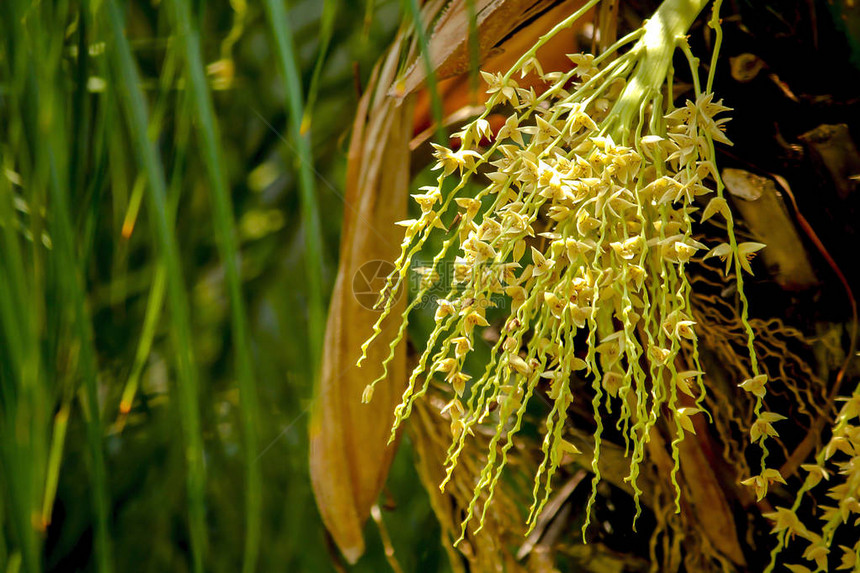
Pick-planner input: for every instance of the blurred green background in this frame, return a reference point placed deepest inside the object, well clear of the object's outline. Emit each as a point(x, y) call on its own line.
point(168, 242)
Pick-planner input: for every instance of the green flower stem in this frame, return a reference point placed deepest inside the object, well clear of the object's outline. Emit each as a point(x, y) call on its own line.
point(566, 23)
point(714, 24)
point(671, 20)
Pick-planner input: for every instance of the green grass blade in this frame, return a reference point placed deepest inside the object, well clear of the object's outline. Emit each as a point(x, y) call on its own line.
point(326, 30)
point(14, 564)
point(310, 207)
point(135, 109)
point(225, 232)
point(154, 306)
point(369, 7)
point(411, 7)
point(69, 268)
point(158, 289)
point(43, 153)
point(12, 295)
point(55, 459)
point(19, 352)
point(474, 48)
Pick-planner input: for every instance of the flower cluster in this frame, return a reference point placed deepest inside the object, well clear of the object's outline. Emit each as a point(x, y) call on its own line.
point(592, 223)
point(842, 453)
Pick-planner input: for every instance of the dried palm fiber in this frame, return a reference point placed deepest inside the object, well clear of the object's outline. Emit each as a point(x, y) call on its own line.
point(786, 357)
point(503, 526)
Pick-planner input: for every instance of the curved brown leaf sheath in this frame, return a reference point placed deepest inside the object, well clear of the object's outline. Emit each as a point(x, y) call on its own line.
point(349, 451)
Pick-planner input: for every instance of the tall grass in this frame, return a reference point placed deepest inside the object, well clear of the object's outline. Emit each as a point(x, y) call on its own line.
point(43, 291)
point(163, 256)
point(283, 37)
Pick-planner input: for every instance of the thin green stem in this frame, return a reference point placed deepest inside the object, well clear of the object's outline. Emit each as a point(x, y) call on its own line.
point(283, 36)
point(714, 23)
point(326, 30)
point(432, 84)
point(566, 23)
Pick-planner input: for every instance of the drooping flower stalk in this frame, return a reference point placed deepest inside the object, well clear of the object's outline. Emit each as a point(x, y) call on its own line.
point(584, 230)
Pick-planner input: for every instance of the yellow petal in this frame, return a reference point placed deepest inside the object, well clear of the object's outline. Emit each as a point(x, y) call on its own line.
point(716, 205)
point(746, 251)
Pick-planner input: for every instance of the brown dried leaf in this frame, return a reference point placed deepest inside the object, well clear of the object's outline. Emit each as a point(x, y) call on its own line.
point(349, 451)
point(708, 501)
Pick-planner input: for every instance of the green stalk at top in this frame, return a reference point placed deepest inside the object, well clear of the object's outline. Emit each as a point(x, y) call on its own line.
point(654, 51)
